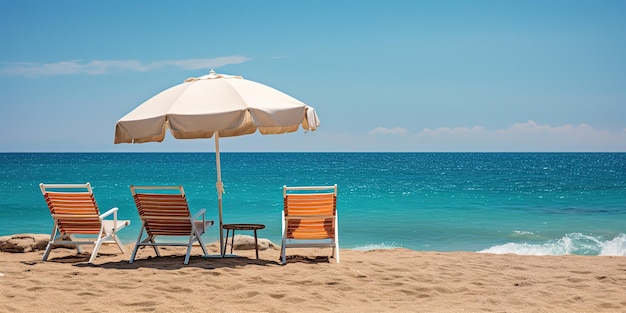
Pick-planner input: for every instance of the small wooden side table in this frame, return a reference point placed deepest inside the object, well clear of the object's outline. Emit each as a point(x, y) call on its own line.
point(234, 227)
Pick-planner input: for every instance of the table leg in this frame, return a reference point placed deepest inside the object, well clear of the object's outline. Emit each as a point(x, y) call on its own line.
point(232, 242)
point(226, 244)
point(256, 245)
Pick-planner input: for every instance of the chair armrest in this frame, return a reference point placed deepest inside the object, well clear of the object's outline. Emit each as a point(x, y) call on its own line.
point(109, 212)
point(201, 212)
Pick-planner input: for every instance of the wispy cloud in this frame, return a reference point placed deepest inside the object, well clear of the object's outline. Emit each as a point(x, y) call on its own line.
point(100, 67)
point(456, 131)
point(527, 129)
point(389, 131)
point(526, 136)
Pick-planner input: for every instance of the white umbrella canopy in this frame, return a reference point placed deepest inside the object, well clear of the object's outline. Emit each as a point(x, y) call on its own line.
point(199, 107)
point(215, 105)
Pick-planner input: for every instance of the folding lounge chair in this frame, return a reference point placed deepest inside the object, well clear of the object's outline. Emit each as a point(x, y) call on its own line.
point(75, 212)
point(164, 212)
point(310, 218)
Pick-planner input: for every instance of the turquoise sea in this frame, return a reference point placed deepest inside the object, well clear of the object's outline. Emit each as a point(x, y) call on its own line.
point(525, 203)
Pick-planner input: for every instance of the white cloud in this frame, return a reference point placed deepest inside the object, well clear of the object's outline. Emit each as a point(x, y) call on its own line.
point(388, 131)
point(99, 67)
point(533, 127)
point(456, 131)
point(526, 136)
point(196, 64)
point(525, 129)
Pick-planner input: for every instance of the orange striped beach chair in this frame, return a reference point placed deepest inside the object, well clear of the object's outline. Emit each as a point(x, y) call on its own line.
point(163, 211)
point(310, 218)
point(77, 219)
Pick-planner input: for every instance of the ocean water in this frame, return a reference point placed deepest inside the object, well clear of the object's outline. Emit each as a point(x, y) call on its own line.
point(525, 203)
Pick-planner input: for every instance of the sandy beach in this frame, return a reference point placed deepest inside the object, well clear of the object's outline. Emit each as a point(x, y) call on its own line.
point(397, 280)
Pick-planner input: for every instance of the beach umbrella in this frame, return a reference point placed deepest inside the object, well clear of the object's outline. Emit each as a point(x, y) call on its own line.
point(215, 105)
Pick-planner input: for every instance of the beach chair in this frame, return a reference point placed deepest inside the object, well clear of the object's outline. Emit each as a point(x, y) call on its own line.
point(164, 212)
point(75, 213)
point(310, 218)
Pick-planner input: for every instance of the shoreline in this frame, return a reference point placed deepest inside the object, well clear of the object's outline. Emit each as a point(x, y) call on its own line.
point(610, 247)
point(393, 280)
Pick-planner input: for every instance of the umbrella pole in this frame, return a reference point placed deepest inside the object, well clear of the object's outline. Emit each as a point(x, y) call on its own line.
point(220, 188)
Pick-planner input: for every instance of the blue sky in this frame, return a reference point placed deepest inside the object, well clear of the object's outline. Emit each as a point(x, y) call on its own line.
point(382, 75)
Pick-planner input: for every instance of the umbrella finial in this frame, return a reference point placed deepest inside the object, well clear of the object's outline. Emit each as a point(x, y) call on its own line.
point(212, 72)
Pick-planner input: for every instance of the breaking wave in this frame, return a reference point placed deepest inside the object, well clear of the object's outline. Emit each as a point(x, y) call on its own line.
point(574, 243)
point(377, 246)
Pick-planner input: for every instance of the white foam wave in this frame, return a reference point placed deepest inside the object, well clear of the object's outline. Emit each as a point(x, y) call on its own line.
point(574, 243)
point(617, 246)
point(378, 246)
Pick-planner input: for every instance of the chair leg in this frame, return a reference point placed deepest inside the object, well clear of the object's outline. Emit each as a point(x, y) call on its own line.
point(283, 251)
point(137, 244)
point(78, 247)
point(189, 246)
point(96, 247)
point(132, 256)
point(49, 246)
point(156, 249)
point(283, 257)
point(206, 253)
point(47, 253)
point(119, 243)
